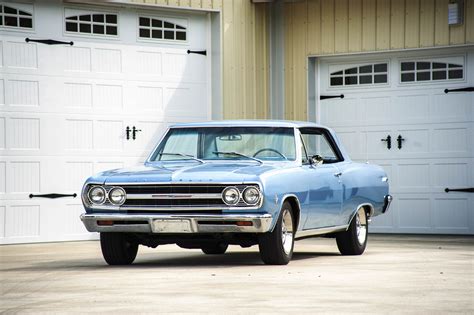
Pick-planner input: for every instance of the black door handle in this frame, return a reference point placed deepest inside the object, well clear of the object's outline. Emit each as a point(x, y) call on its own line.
point(466, 89)
point(389, 141)
point(325, 97)
point(199, 52)
point(134, 132)
point(127, 132)
point(400, 140)
point(53, 196)
point(468, 190)
point(48, 41)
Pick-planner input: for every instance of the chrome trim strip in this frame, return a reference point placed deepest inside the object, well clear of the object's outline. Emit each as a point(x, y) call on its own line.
point(320, 231)
point(188, 208)
point(173, 196)
point(261, 223)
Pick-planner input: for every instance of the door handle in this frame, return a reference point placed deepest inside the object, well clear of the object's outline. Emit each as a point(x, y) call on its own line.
point(400, 140)
point(338, 174)
point(134, 132)
point(388, 140)
point(48, 41)
point(467, 190)
point(127, 132)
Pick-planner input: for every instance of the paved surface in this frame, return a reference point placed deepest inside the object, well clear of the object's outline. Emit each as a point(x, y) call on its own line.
point(397, 274)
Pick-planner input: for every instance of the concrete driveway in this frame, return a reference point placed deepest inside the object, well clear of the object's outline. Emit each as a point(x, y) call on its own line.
point(397, 274)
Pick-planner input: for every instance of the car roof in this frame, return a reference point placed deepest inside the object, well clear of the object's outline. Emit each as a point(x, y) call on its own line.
point(249, 123)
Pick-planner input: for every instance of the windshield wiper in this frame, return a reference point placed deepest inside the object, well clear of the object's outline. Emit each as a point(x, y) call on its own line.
point(182, 154)
point(238, 154)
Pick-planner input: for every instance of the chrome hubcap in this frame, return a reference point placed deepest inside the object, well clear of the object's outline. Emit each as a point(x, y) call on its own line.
point(287, 231)
point(361, 226)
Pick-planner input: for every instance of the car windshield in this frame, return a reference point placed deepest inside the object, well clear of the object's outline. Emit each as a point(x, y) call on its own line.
point(255, 144)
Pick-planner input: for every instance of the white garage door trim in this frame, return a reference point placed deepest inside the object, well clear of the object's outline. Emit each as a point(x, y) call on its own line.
point(421, 170)
point(64, 109)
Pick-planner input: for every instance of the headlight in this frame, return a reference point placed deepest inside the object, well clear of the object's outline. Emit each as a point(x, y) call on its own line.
point(117, 196)
point(251, 195)
point(231, 196)
point(97, 195)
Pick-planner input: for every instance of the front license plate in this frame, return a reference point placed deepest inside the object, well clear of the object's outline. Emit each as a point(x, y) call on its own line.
point(171, 226)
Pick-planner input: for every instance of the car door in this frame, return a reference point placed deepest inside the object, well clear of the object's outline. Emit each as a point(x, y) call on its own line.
point(325, 187)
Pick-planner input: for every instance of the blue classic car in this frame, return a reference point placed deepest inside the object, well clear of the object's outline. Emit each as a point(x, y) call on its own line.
point(208, 185)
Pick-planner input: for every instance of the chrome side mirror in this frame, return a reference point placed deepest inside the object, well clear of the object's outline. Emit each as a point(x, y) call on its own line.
point(316, 160)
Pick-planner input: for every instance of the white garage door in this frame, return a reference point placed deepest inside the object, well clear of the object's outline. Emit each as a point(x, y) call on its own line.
point(402, 96)
point(65, 109)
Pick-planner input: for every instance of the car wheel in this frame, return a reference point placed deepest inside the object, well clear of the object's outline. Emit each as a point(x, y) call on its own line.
point(354, 240)
point(118, 248)
point(215, 249)
point(276, 247)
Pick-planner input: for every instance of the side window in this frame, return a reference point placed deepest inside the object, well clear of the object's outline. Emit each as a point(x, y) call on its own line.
point(317, 142)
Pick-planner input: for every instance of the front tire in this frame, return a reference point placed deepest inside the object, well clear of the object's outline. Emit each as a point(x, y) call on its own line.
point(215, 249)
point(276, 247)
point(354, 240)
point(118, 248)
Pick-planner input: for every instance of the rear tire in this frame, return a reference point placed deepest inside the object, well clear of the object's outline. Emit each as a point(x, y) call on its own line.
point(276, 247)
point(215, 249)
point(354, 240)
point(118, 248)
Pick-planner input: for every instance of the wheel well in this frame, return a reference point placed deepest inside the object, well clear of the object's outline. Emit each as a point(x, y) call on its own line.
point(295, 207)
point(369, 211)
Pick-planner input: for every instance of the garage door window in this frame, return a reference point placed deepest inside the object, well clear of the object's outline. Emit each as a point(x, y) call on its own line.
point(11, 16)
point(92, 23)
point(152, 28)
point(415, 71)
point(360, 75)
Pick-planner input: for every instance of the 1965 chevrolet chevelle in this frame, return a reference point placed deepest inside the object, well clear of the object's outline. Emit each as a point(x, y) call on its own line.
point(208, 185)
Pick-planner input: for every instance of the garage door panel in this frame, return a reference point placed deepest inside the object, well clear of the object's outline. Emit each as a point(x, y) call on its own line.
point(410, 108)
point(452, 215)
point(451, 140)
point(416, 141)
point(414, 214)
point(20, 56)
point(377, 109)
point(460, 107)
point(450, 174)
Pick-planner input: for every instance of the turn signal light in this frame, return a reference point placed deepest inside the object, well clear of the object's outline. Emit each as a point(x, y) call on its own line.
point(244, 223)
point(105, 222)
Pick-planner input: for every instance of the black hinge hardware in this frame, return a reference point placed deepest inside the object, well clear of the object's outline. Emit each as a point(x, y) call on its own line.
point(199, 52)
point(468, 190)
point(400, 140)
point(389, 141)
point(53, 196)
point(466, 89)
point(127, 132)
point(134, 132)
point(48, 41)
point(325, 97)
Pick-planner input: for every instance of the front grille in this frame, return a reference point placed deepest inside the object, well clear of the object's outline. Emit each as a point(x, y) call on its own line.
point(155, 197)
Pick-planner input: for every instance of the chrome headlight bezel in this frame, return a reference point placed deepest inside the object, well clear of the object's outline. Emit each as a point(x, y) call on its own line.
point(248, 190)
point(237, 193)
point(124, 196)
point(97, 188)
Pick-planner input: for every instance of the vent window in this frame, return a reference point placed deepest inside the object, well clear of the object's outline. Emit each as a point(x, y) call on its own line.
point(416, 71)
point(93, 24)
point(11, 16)
point(360, 75)
point(150, 28)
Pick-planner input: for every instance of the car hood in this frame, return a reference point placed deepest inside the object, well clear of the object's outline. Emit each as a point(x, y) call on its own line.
point(189, 172)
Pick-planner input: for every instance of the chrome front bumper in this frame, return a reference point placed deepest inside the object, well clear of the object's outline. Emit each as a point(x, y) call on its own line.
point(178, 224)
